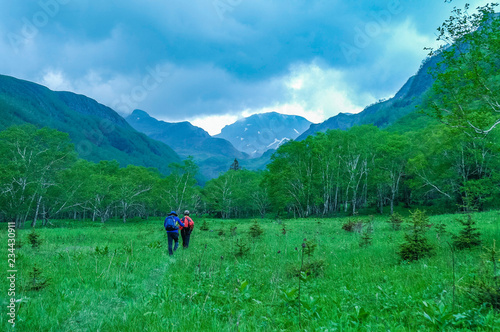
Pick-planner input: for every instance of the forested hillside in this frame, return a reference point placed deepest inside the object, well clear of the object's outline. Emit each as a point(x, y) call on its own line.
point(97, 131)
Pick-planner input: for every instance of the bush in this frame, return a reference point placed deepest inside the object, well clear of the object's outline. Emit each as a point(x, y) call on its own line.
point(255, 229)
point(353, 226)
point(416, 245)
point(469, 236)
point(396, 220)
point(485, 288)
point(34, 239)
point(204, 226)
point(366, 239)
point(242, 248)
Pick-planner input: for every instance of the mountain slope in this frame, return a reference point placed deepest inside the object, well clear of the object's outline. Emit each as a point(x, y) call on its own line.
point(183, 137)
point(213, 155)
point(97, 131)
point(384, 113)
point(260, 132)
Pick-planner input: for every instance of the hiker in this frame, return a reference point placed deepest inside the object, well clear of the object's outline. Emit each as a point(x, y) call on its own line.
point(171, 225)
point(186, 229)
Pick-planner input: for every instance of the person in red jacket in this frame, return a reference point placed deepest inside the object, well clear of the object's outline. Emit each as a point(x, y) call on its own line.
point(186, 229)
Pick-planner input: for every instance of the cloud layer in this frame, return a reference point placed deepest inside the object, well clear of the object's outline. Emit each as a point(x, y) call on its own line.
point(212, 61)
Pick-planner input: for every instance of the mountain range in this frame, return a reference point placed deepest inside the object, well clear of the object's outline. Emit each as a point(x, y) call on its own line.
point(99, 133)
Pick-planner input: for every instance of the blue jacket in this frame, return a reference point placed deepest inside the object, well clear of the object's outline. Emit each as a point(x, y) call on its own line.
point(177, 221)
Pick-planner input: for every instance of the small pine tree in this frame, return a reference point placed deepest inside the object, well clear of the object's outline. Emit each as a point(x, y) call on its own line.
point(255, 229)
point(396, 220)
point(204, 226)
point(242, 248)
point(416, 245)
point(366, 239)
point(34, 239)
point(38, 282)
point(469, 236)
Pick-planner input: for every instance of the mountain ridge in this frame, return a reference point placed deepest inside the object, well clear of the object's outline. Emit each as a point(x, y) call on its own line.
point(98, 132)
point(384, 113)
point(258, 133)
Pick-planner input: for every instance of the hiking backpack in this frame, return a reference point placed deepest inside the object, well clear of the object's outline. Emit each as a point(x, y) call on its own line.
point(170, 224)
point(188, 223)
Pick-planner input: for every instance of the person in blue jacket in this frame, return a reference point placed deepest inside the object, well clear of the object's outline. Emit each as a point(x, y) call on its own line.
point(171, 225)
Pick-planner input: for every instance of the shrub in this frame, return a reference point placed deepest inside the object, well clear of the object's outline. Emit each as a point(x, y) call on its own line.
point(242, 248)
point(469, 236)
point(204, 226)
point(416, 245)
point(313, 268)
point(485, 288)
point(38, 281)
point(34, 239)
point(396, 220)
point(255, 229)
point(366, 239)
point(310, 246)
point(353, 226)
point(99, 251)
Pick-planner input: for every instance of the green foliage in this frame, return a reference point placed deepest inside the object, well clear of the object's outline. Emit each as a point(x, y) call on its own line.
point(242, 248)
point(469, 235)
point(466, 92)
point(34, 239)
point(103, 251)
point(353, 226)
point(441, 229)
point(366, 239)
point(37, 279)
point(395, 221)
point(204, 225)
point(310, 247)
point(485, 287)
point(255, 230)
point(416, 245)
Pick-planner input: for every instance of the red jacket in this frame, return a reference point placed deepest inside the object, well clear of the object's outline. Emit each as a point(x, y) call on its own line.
point(188, 223)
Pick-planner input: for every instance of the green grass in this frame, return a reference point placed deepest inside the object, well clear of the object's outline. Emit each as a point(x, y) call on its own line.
point(136, 286)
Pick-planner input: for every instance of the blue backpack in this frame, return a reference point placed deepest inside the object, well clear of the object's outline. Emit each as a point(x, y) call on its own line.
point(170, 224)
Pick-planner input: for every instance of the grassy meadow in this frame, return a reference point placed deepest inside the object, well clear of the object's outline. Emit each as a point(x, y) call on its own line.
point(89, 276)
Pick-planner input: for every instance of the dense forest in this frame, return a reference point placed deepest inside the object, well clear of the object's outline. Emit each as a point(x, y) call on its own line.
point(452, 163)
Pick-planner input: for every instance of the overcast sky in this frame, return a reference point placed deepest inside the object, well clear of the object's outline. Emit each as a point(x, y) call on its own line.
point(211, 62)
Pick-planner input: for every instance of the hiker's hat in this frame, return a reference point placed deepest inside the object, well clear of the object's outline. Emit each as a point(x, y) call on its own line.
point(172, 213)
point(186, 212)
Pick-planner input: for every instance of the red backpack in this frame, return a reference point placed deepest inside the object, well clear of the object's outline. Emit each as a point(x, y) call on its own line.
point(188, 222)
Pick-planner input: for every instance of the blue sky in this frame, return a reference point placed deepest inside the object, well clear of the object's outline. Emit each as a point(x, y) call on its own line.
point(211, 62)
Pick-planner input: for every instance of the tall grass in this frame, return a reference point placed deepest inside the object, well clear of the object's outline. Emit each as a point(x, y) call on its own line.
point(119, 277)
